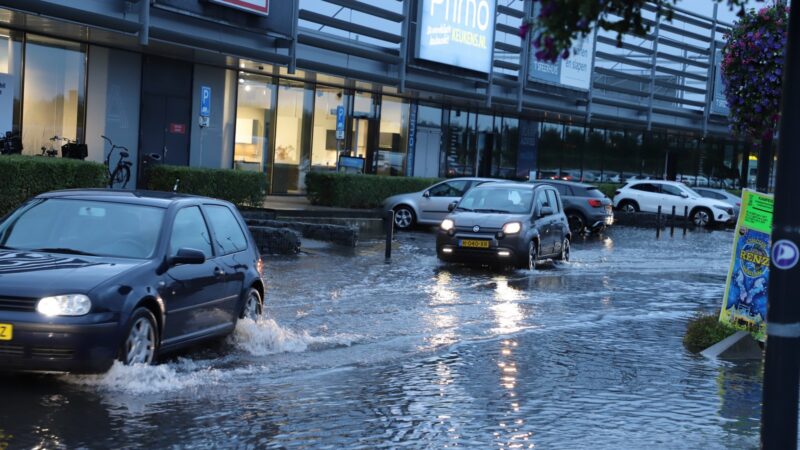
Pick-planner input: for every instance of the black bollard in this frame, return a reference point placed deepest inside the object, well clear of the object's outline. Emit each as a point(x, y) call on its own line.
point(672, 223)
point(658, 223)
point(389, 218)
point(685, 219)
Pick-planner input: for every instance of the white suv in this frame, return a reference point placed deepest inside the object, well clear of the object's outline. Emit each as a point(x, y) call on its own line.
point(648, 195)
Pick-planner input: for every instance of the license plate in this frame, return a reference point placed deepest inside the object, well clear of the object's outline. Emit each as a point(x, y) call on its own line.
point(6, 331)
point(473, 243)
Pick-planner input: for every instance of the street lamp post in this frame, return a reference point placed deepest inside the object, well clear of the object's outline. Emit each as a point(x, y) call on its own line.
point(782, 366)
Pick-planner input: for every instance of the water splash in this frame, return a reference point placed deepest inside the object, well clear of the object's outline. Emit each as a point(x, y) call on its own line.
point(267, 337)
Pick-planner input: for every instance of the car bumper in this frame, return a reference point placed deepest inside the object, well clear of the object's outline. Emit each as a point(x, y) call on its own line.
point(86, 344)
point(508, 250)
point(601, 222)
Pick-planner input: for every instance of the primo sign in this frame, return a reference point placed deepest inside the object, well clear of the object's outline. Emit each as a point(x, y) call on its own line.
point(457, 32)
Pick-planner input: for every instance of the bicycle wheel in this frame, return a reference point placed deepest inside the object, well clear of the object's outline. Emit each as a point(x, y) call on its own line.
point(123, 176)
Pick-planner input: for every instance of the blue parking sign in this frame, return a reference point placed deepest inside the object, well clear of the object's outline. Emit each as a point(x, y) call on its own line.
point(340, 122)
point(205, 101)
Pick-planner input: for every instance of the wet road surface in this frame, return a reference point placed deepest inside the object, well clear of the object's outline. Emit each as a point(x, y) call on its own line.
point(356, 353)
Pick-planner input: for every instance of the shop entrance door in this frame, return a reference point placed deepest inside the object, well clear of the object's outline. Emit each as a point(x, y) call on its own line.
point(427, 152)
point(166, 113)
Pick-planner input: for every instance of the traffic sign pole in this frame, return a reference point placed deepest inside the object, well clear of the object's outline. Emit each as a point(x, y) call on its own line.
point(782, 365)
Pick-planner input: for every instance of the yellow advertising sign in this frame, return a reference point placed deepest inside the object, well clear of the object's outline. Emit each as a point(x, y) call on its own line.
point(745, 303)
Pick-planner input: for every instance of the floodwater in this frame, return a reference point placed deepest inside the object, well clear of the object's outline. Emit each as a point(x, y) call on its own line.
point(356, 353)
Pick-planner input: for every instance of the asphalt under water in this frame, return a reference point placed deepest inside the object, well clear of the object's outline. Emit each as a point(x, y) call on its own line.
point(357, 353)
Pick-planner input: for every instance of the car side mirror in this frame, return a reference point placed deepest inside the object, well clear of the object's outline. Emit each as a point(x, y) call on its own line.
point(546, 211)
point(684, 195)
point(452, 206)
point(187, 256)
point(426, 194)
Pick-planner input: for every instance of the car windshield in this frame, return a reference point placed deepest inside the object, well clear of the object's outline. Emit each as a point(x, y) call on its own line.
point(82, 227)
point(496, 199)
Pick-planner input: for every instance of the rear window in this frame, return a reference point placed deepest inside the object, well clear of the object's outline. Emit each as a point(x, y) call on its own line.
point(593, 192)
point(227, 231)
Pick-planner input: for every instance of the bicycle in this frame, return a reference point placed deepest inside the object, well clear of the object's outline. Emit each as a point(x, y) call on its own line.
point(50, 152)
point(122, 171)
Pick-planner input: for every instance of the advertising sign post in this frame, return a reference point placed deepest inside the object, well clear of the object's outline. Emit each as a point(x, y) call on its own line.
point(745, 303)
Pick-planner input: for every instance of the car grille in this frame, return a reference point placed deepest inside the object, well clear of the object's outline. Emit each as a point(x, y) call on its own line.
point(11, 350)
point(18, 304)
point(52, 353)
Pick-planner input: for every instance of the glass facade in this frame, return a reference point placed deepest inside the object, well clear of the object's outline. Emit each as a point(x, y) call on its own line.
point(55, 85)
point(325, 146)
point(393, 137)
point(255, 102)
point(291, 158)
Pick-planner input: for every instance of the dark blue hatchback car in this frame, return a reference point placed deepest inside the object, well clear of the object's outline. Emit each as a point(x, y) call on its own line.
point(88, 277)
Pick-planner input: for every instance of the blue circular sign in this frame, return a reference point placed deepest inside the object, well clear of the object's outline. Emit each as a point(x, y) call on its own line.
point(785, 254)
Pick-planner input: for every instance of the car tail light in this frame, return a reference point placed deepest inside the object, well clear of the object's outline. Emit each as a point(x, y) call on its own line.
point(595, 203)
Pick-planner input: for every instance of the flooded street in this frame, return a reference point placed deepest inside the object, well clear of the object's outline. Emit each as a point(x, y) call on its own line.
point(356, 353)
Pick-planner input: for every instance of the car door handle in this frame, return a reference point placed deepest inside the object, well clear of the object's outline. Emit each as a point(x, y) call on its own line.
point(219, 272)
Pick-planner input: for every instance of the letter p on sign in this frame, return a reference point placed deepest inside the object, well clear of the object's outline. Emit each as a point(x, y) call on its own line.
point(205, 101)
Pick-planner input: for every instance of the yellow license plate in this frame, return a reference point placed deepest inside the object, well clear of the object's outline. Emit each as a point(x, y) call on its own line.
point(473, 243)
point(6, 331)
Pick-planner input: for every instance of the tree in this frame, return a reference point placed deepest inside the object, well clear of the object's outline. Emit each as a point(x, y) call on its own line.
point(752, 71)
point(560, 22)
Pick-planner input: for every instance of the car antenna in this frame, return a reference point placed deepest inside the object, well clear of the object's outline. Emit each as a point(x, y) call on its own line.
point(177, 182)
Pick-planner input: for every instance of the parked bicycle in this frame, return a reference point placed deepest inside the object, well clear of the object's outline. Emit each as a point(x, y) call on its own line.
point(50, 152)
point(121, 174)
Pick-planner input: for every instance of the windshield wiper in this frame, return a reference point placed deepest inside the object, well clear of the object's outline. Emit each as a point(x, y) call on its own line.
point(5, 247)
point(498, 211)
point(464, 209)
point(69, 251)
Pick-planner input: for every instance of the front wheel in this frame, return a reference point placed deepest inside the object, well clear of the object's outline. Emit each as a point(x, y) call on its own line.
point(121, 176)
point(404, 217)
point(253, 307)
point(628, 206)
point(141, 340)
point(528, 262)
point(701, 217)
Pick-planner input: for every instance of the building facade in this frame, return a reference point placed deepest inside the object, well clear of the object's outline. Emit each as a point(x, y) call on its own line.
point(433, 88)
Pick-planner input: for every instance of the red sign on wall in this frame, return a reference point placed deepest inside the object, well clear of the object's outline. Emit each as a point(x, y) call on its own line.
point(177, 128)
point(254, 6)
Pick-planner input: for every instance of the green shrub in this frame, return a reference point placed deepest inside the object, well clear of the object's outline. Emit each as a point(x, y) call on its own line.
point(239, 187)
point(359, 191)
point(705, 330)
point(27, 176)
point(608, 189)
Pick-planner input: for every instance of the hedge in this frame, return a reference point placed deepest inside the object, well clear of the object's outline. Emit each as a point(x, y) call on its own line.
point(22, 177)
point(608, 189)
point(239, 187)
point(705, 330)
point(359, 191)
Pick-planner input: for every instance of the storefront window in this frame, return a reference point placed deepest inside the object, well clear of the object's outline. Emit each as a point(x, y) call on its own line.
point(429, 116)
point(484, 144)
point(550, 150)
point(459, 159)
point(363, 116)
point(572, 159)
point(504, 159)
point(324, 145)
point(54, 86)
point(10, 81)
point(292, 133)
point(253, 119)
point(393, 137)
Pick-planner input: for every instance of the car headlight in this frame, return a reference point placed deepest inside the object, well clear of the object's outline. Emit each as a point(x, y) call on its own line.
point(512, 228)
point(64, 305)
point(448, 224)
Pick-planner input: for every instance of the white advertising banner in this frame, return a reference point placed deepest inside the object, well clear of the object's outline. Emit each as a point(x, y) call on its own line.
point(254, 6)
point(457, 33)
point(7, 83)
point(574, 72)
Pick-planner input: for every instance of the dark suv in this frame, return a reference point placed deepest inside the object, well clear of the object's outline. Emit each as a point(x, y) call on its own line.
point(505, 224)
point(585, 206)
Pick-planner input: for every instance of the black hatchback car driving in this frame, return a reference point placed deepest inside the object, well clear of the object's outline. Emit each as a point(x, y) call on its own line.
point(88, 277)
point(514, 224)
